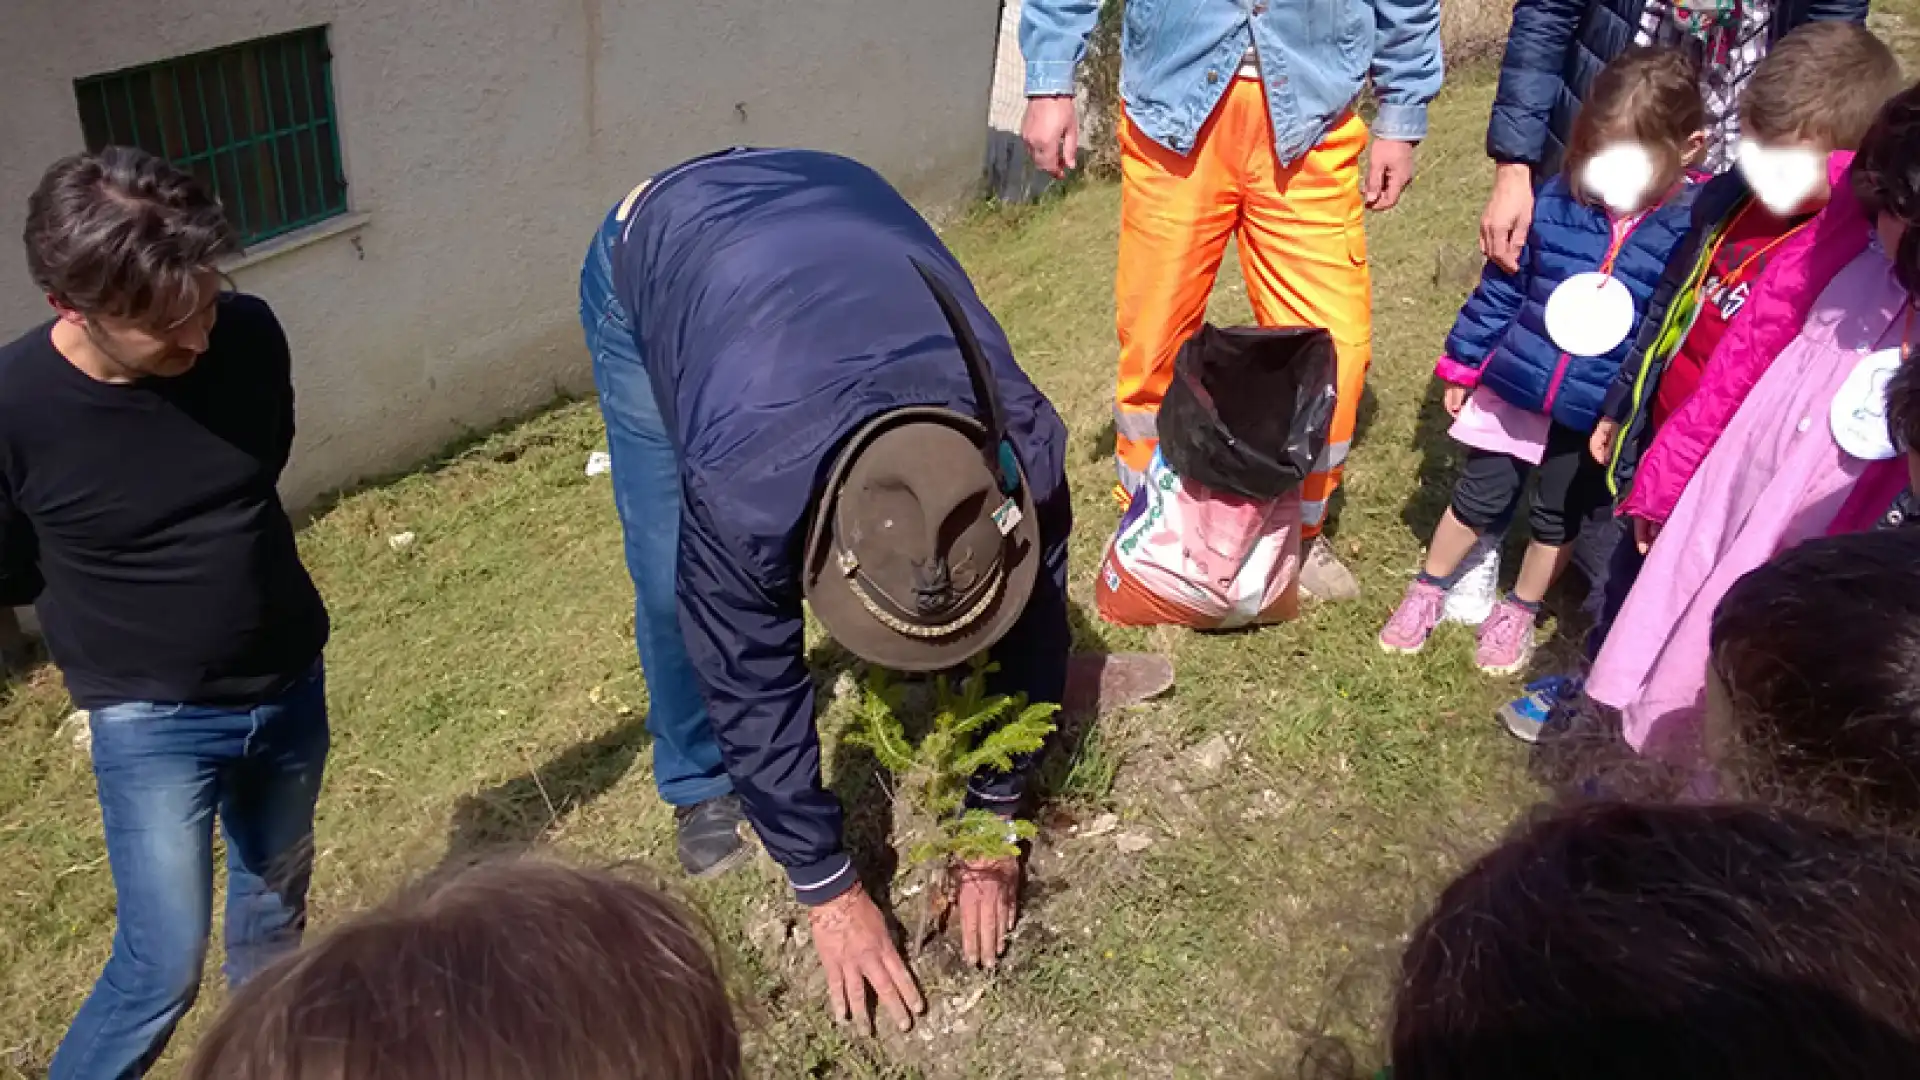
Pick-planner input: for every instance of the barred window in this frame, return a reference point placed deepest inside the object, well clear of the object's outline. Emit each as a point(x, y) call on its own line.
point(253, 121)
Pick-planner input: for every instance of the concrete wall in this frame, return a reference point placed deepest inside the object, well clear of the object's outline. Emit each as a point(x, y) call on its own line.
point(483, 142)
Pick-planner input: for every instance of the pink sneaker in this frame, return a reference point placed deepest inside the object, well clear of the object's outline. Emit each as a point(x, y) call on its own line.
point(1506, 640)
point(1414, 619)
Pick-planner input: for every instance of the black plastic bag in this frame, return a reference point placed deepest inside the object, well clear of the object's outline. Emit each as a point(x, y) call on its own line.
point(1249, 408)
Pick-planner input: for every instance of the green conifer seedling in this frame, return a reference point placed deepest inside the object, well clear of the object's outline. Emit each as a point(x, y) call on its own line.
point(969, 732)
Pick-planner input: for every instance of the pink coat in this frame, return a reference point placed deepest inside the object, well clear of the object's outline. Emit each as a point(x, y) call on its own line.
point(1776, 478)
point(1771, 318)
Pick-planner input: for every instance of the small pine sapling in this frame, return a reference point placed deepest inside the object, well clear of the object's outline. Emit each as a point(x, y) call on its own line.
point(969, 732)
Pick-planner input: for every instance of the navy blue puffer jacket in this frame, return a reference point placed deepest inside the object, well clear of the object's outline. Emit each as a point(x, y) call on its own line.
point(1500, 339)
point(1556, 47)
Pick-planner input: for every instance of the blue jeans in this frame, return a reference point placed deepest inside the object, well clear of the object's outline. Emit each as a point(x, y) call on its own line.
point(163, 772)
point(646, 494)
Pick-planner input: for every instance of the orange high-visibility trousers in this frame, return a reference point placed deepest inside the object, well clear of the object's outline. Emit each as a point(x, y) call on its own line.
point(1303, 249)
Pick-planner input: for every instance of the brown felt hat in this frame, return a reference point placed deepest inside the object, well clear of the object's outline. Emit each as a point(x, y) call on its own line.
point(908, 565)
point(923, 547)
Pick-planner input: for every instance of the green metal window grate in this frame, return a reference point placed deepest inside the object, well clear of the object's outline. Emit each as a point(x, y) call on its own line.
point(254, 121)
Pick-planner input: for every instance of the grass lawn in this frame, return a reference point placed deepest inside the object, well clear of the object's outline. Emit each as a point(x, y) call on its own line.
point(485, 690)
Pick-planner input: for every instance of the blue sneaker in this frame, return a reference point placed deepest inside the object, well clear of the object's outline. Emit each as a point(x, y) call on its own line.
point(1527, 716)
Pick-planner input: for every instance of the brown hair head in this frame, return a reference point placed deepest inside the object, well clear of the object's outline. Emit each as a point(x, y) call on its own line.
point(506, 970)
point(1669, 943)
point(1822, 84)
point(1819, 654)
point(122, 233)
point(1648, 95)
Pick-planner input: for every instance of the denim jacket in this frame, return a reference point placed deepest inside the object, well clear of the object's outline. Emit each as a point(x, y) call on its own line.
point(1179, 56)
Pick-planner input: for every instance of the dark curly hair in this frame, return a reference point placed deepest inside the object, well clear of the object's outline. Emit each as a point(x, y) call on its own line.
point(1669, 943)
point(1886, 177)
point(1903, 406)
point(1819, 654)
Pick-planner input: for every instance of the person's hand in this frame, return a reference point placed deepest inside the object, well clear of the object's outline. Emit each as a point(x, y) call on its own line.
point(989, 902)
point(1645, 533)
point(850, 936)
point(1509, 213)
point(1455, 399)
point(1600, 444)
point(1051, 131)
point(1389, 171)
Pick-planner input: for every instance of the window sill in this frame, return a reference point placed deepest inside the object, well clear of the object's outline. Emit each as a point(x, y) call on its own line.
point(294, 241)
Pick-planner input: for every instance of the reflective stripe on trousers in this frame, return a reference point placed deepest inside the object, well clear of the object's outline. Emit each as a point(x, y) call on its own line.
point(1302, 244)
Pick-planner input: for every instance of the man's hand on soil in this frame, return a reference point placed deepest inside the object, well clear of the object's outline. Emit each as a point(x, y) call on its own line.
point(856, 949)
point(989, 902)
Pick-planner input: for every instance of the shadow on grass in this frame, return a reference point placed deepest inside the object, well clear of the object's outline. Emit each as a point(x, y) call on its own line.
point(1071, 764)
point(1364, 416)
point(1440, 459)
point(502, 443)
point(524, 810)
point(1100, 442)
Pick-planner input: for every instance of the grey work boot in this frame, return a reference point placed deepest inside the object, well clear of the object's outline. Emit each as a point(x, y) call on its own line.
point(707, 836)
point(1323, 577)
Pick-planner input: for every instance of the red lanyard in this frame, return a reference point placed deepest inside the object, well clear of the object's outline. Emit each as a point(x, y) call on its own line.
point(1620, 240)
point(1739, 272)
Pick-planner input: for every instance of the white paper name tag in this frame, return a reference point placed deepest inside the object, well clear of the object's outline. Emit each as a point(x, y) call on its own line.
point(1589, 314)
point(1007, 518)
point(1859, 414)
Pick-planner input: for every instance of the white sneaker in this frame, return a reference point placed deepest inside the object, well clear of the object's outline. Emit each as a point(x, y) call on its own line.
point(1476, 586)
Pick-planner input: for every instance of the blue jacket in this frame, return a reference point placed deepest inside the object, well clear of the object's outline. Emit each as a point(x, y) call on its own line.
point(776, 309)
point(1177, 58)
point(1502, 332)
point(1556, 47)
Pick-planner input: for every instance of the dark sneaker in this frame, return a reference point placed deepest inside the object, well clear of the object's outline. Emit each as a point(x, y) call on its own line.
point(1528, 716)
point(707, 836)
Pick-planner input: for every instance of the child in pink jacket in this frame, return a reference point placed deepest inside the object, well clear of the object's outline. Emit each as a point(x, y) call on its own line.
point(1786, 461)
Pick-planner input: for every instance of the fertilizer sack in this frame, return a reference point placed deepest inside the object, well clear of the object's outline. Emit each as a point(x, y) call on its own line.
point(1212, 537)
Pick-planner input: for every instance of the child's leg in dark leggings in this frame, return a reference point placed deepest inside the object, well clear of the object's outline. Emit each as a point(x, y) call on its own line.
point(1571, 487)
point(1623, 569)
point(1484, 491)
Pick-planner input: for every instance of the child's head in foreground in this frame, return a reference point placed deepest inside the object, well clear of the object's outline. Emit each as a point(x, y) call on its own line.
point(1641, 125)
point(1813, 688)
point(509, 970)
point(1817, 91)
point(1628, 942)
